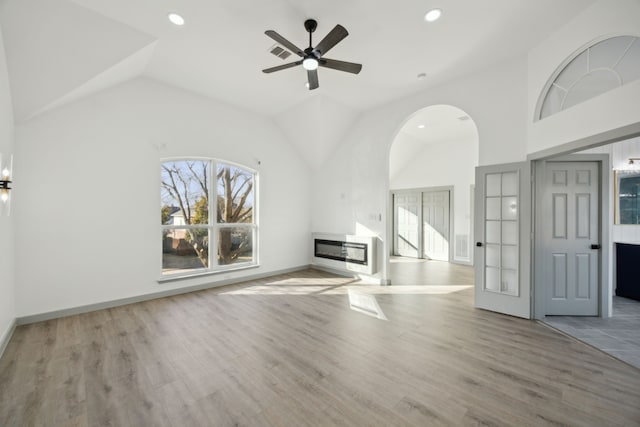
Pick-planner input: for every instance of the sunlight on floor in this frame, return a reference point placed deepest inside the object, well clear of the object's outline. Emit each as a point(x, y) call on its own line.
point(394, 260)
point(365, 304)
point(339, 286)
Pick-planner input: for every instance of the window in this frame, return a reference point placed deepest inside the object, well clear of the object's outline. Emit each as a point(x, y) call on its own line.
point(205, 227)
point(601, 67)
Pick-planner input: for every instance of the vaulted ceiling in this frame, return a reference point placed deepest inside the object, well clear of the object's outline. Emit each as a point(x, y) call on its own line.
point(61, 50)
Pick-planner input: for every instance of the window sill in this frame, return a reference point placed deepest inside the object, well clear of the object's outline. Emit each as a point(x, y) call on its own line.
point(175, 277)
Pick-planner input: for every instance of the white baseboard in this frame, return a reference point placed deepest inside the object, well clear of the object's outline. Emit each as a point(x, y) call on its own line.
point(56, 314)
point(6, 336)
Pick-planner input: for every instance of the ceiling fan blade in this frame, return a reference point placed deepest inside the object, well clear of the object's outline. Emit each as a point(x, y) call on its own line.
point(349, 67)
point(284, 42)
point(330, 40)
point(282, 67)
point(312, 76)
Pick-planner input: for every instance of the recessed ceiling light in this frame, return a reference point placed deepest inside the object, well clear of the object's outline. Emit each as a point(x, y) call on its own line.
point(175, 19)
point(420, 126)
point(433, 15)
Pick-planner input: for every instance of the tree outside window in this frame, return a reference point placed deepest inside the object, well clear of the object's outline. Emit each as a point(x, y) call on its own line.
point(188, 232)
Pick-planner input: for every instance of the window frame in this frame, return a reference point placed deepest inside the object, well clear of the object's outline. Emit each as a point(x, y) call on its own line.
point(213, 226)
point(568, 60)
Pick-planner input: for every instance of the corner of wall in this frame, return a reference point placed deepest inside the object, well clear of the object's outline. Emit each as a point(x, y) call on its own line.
point(7, 246)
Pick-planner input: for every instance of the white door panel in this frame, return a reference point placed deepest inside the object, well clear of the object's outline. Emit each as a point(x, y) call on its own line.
point(435, 214)
point(407, 224)
point(571, 198)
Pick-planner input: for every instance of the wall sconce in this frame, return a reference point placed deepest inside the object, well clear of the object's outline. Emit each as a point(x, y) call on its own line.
point(632, 165)
point(6, 163)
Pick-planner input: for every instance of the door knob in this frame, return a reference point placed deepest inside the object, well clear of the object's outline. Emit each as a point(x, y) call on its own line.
point(595, 246)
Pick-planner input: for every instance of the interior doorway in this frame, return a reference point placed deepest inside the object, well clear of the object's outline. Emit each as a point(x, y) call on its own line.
point(572, 239)
point(435, 151)
point(615, 329)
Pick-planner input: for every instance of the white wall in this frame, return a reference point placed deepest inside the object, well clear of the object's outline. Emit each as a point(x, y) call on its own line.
point(446, 163)
point(609, 111)
point(87, 212)
point(7, 286)
point(351, 193)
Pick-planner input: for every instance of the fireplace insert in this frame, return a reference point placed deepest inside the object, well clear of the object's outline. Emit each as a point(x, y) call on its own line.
point(341, 251)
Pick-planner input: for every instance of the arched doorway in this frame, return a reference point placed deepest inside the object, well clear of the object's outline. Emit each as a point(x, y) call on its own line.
point(431, 177)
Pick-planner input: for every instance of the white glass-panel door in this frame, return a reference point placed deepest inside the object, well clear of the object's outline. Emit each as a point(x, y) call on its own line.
point(501, 232)
point(502, 264)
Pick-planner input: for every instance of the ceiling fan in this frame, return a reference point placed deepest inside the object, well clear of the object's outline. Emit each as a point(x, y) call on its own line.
point(312, 58)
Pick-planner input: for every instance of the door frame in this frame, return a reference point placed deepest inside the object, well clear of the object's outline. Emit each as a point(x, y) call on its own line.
point(540, 221)
point(450, 189)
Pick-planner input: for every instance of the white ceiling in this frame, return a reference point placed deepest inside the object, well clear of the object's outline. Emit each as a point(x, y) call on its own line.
point(55, 47)
point(441, 122)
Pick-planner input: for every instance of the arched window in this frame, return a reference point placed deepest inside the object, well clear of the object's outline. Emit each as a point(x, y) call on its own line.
point(599, 68)
point(208, 216)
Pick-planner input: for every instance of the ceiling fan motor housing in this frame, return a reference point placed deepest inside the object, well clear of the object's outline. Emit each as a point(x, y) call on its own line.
point(310, 25)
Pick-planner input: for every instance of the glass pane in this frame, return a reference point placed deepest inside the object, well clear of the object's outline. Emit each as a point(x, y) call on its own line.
point(509, 233)
point(184, 192)
point(235, 245)
point(629, 66)
point(553, 101)
point(492, 279)
point(493, 184)
point(573, 71)
point(591, 85)
point(509, 208)
point(235, 194)
point(607, 53)
point(509, 284)
point(510, 257)
point(184, 250)
point(492, 231)
point(492, 256)
point(493, 208)
point(510, 184)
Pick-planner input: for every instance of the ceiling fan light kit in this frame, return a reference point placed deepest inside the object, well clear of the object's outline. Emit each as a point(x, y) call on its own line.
point(313, 57)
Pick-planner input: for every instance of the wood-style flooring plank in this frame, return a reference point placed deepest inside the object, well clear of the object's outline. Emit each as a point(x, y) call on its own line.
point(289, 350)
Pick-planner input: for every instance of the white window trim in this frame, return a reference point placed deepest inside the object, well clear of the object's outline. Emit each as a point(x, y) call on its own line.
point(550, 82)
point(213, 226)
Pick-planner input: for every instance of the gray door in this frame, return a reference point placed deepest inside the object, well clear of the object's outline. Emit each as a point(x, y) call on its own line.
point(406, 207)
point(435, 219)
point(571, 263)
point(502, 230)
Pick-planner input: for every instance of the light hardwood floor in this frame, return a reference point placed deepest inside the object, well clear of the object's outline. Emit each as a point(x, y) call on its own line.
point(310, 349)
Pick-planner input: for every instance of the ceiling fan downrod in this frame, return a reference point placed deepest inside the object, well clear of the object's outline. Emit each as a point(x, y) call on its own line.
point(310, 25)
